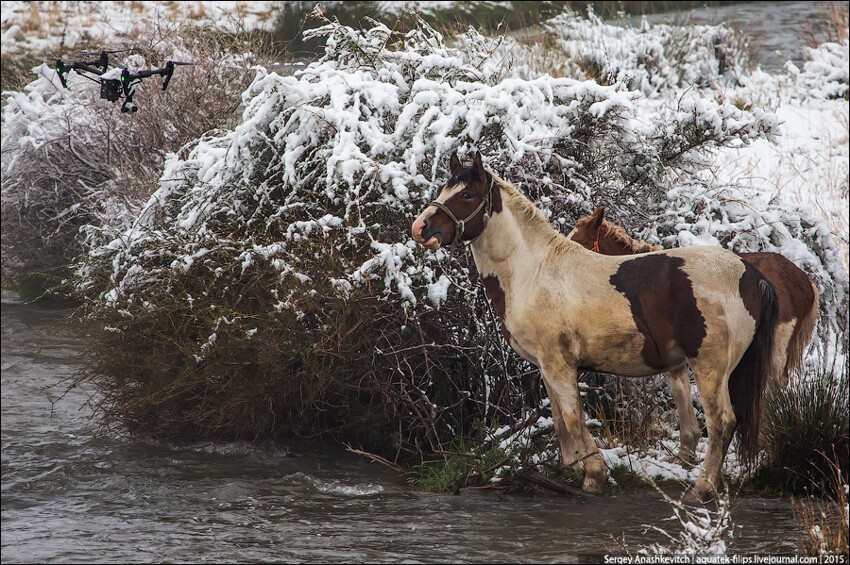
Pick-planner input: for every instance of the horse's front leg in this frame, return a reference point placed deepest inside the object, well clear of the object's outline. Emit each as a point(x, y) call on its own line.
point(689, 430)
point(562, 386)
point(565, 439)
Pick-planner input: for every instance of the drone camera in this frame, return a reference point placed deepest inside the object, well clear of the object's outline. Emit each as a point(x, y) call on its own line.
point(111, 89)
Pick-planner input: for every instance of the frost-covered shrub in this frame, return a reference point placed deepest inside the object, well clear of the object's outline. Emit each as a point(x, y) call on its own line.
point(273, 271)
point(53, 177)
point(827, 72)
point(743, 221)
point(650, 58)
point(703, 531)
point(71, 160)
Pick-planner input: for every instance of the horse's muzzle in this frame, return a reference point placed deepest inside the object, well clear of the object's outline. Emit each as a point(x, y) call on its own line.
point(421, 234)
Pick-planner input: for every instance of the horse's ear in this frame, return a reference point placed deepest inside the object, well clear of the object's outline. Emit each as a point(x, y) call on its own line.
point(478, 166)
point(454, 163)
point(597, 218)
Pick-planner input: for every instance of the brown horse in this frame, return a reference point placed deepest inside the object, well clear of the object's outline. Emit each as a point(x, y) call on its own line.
point(565, 308)
point(797, 311)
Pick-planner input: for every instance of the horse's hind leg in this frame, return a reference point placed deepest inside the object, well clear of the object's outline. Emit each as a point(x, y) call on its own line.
point(689, 431)
point(563, 391)
point(713, 386)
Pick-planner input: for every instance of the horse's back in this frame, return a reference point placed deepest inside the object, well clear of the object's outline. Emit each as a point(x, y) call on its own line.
point(794, 290)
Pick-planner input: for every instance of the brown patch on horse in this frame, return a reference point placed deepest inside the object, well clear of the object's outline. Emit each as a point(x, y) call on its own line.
point(663, 306)
point(796, 298)
point(497, 296)
point(747, 285)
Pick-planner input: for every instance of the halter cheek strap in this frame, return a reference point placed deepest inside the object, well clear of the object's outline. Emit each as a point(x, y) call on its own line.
point(595, 247)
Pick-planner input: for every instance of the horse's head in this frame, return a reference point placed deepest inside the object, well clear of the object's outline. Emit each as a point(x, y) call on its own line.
point(596, 234)
point(461, 207)
point(590, 230)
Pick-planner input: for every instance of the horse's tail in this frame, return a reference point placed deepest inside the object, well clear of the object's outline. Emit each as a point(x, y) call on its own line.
point(749, 379)
point(800, 337)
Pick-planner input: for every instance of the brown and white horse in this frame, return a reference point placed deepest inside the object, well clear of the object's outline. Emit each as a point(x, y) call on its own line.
point(797, 311)
point(565, 308)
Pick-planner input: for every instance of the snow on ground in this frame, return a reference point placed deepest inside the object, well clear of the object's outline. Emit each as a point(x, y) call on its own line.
point(655, 462)
point(52, 25)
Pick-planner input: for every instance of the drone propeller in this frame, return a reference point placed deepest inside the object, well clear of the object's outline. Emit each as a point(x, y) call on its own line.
point(100, 51)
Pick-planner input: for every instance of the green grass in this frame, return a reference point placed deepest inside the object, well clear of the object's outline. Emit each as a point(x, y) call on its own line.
point(459, 468)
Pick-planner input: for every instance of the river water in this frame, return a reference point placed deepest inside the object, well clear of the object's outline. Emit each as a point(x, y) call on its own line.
point(773, 29)
point(70, 495)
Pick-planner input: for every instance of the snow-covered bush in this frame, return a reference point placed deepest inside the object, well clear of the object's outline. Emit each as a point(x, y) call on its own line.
point(71, 160)
point(744, 221)
point(827, 72)
point(272, 274)
point(651, 58)
point(703, 531)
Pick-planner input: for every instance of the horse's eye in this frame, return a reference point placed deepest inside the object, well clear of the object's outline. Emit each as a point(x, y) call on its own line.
point(467, 196)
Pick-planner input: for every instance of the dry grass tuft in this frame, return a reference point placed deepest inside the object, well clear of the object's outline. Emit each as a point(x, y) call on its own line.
point(825, 522)
point(832, 25)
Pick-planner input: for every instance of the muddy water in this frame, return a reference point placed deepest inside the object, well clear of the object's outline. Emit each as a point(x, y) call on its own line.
point(69, 495)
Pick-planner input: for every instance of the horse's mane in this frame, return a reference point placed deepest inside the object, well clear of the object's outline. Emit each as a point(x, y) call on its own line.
point(534, 215)
point(615, 231)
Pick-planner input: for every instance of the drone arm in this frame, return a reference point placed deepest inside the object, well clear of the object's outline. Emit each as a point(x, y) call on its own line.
point(145, 74)
point(102, 62)
point(87, 67)
point(62, 70)
point(167, 71)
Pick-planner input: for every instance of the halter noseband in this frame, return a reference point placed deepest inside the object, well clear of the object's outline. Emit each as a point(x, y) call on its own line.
point(460, 225)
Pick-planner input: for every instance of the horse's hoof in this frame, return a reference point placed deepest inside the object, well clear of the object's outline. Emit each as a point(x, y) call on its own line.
point(593, 480)
point(690, 497)
point(578, 470)
point(704, 491)
point(591, 485)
